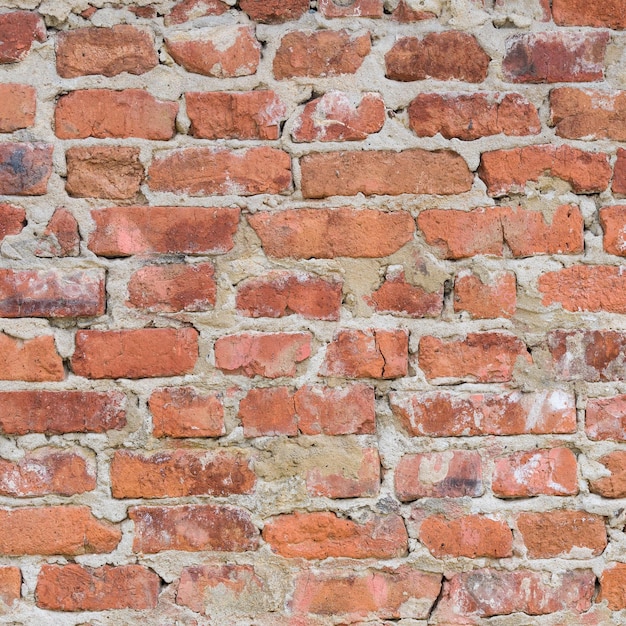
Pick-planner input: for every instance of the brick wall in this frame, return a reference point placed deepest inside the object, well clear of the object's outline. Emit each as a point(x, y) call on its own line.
point(312, 313)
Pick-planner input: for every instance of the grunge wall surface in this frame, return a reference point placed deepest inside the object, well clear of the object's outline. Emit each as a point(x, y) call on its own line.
point(313, 313)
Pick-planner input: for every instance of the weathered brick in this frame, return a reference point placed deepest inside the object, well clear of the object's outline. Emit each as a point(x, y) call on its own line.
point(373, 172)
point(73, 587)
point(25, 168)
point(329, 233)
point(335, 116)
point(10, 585)
point(605, 14)
point(124, 231)
point(107, 51)
point(285, 293)
point(562, 533)
point(612, 585)
point(12, 220)
point(591, 355)
point(59, 412)
point(450, 55)
point(185, 412)
point(17, 107)
point(103, 113)
point(47, 471)
point(112, 172)
point(372, 353)
point(605, 418)
point(222, 52)
point(50, 530)
point(357, 8)
point(274, 11)
point(613, 222)
point(613, 485)
point(323, 535)
point(525, 474)
point(177, 473)
point(321, 53)
point(235, 115)
point(486, 300)
point(142, 353)
point(270, 355)
point(448, 414)
point(61, 237)
point(51, 293)
point(192, 528)
point(219, 171)
point(471, 536)
point(480, 357)
point(405, 13)
point(268, 412)
point(18, 31)
point(32, 360)
point(472, 116)
point(619, 173)
point(449, 474)
point(508, 171)
point(555, 57)
point(389, 593)
point(187, 10)
point(173, 288)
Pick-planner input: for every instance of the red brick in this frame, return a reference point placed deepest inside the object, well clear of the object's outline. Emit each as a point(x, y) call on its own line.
point(285, 293)
point(103, 113)
point(372, 353)
point(362, 481)
point(395, 295)
point(173, 288)
point(33, 360)
point(142, 353)
point(17, 107)
point(50, 530)
point(449, 55)
point(18, 31)
point(472, 116)
point(480, 357)
point(329, 233)
point(10, 585)
point(588, 114)
point(25, 168)
point(471, 536)
point(320, 54)
point(192, 528)
point(47, 471)
point(187, 10)
point(267, 412)
point(185, 412)
point(274, 11)
point(222, 52)
point(73, 587)
point(356, 8)
point(111, 172)
point(51, 293)
point(124, 231)
point(59, 412)
point(107, 51)
point(61, 237)
point(270, 355)
point(613, 485)
point(448, 414)
point(449, 474)
point(384, 593)
point(555, 57)
point(177, 473)
point(591, 355)
point(558, 533)
point(404, 13)
point(613, 586)
point(219, 171)
point(538, 472)
point(605, 418)
point(12, 220)
point(235, 115)
point(381, 172)
point(613, 222)
point(483, 593)
point(336, 411)
point(619, 174)
point(336, 117)
point(607, 14)
point(216, 588)
point(485, 300)
point(323, 535)
point(508, 171)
